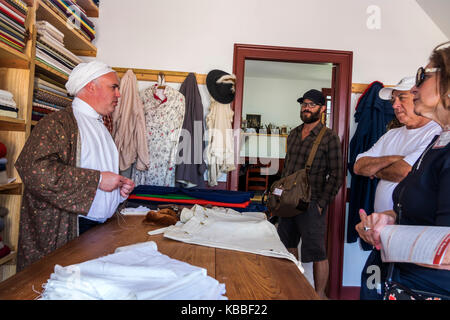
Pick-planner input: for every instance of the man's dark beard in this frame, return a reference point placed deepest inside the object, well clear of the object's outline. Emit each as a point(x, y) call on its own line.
point(312, 118)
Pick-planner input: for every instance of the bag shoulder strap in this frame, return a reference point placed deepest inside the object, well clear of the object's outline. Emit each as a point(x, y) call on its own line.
point(314, 148)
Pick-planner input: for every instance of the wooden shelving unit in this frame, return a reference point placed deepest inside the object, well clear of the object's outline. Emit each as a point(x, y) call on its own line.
point(11, 256)
point(90, 7)
point(73, 39)
point(11, 188)
point(12, 58)
point(11, 124)
point(17, 72)
point(52, 73)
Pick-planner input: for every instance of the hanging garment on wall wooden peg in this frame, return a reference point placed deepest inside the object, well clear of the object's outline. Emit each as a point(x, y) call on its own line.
point(161, 81)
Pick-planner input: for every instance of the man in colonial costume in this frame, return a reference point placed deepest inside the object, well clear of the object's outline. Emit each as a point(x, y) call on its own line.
point(69, 166)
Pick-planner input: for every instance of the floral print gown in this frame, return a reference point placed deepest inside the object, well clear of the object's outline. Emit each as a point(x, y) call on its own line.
point(164, 116)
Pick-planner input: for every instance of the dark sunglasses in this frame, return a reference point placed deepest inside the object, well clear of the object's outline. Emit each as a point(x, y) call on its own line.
point(420, 75)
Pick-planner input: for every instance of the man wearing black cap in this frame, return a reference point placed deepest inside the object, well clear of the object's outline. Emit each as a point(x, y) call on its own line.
point(325, 177)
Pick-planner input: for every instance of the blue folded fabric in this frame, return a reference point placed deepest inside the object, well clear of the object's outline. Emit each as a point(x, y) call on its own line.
point(226, 196)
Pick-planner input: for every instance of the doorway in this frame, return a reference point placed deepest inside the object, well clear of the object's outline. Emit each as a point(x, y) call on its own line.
point(270, 111)
point(338, 121)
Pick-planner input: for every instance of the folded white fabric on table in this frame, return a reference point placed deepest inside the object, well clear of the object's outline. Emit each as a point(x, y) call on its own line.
point(229, 229)
point(137, 272)
point(139, 211)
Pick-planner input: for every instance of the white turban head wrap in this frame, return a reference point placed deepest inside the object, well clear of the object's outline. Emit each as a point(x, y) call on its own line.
point(84, 73)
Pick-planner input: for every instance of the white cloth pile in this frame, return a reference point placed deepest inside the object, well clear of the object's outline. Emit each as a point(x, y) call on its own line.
point(8, 107)
point(139, 211)
point(229, 229)
point(133, 272)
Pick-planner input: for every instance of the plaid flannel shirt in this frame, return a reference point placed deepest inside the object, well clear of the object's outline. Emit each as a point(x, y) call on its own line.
point(326, 174)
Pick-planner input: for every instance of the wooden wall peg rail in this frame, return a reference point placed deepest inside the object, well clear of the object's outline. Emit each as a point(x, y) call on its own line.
point(152, 75)
point(361, 87)
point(179, 76)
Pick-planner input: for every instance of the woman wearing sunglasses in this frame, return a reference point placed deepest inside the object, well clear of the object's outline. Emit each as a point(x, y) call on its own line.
point(423, 197)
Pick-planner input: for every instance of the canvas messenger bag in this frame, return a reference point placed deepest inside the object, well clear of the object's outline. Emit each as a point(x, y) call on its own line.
point(291, 195)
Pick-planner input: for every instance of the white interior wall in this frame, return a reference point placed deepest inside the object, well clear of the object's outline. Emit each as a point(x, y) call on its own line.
point(276, 99)
point(198, 35)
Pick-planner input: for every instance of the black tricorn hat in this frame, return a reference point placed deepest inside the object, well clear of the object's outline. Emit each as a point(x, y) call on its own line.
point(221, 86)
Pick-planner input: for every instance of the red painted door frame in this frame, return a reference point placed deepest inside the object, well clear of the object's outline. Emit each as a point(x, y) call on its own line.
point(340, 124)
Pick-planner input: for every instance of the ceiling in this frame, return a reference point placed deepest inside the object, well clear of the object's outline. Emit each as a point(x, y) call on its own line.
point(287, 70)
point(438, 11)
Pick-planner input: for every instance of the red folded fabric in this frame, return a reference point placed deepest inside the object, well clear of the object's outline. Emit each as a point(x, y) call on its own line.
point(4, 249)
point(193, 201)
point(2, 150)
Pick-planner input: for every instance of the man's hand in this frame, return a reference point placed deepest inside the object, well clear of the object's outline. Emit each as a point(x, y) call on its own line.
point(111, 181)
point(319, 208)
point(127, 187)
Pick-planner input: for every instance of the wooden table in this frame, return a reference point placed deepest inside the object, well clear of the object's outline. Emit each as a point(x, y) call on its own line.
point(246, 276)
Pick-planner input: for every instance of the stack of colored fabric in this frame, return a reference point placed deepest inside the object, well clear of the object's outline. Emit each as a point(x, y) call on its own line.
point(12, 23)
point(3, 213)
point(4, 249)
point(50, 49)
point(174, 195)
point(69, 10)
point(49, 96)
point(8, 107)
point(3, 162)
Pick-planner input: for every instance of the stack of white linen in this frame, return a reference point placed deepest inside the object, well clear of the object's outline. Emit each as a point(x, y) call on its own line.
point(8, 107)
point(226, 228)
point(133, 272)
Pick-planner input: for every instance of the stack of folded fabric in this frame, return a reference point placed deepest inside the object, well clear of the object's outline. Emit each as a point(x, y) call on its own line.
point(12, 23)
point(8, 107)
point(221, 198)
point(49, 96)
point(134, 272)
point(69, 10)
point(4, 249)
point(3, 213)
point(3, 172)
point(50, 49)
point(3, 162)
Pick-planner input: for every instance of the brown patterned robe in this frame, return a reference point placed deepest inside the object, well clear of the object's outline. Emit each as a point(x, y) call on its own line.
point(56, 190)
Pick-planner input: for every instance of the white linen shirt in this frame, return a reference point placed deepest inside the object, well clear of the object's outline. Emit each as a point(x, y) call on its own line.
point(98, 152)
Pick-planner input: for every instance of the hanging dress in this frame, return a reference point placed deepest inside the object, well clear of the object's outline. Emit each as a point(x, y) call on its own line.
point(164, 116)
point(220, 150)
